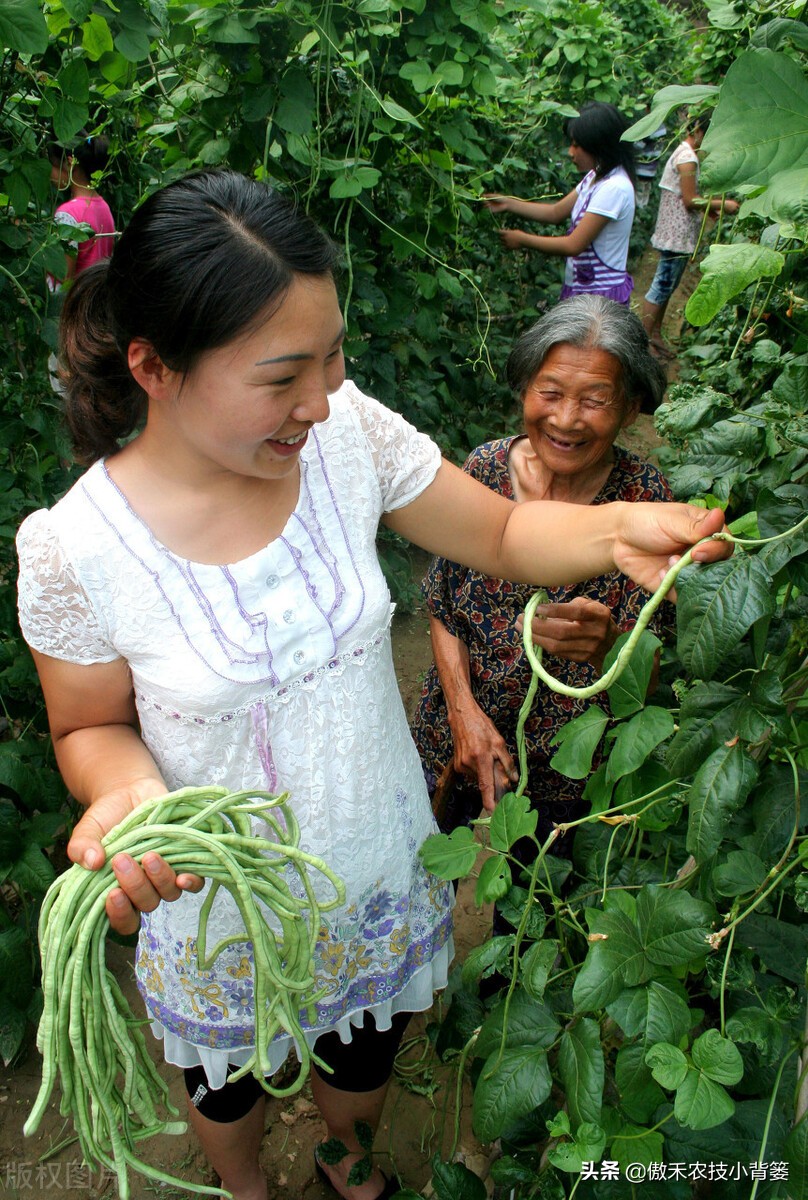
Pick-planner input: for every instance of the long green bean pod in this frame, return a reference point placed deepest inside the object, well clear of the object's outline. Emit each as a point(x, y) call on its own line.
point(90, 1039)
point(534, 653)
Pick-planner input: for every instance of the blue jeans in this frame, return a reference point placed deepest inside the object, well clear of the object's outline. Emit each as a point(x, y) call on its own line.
point(670, 269)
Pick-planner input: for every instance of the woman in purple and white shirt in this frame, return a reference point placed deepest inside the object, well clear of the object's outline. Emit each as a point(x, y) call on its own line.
point(600, 210)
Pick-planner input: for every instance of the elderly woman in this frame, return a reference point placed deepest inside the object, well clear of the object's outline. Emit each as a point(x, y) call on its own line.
point(582, 374)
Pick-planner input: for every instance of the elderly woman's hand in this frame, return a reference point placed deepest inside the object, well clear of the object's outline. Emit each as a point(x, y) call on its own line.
point(581, 630)
point(481, 754)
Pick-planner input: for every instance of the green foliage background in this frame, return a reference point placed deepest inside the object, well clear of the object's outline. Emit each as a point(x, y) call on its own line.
point(661, 993)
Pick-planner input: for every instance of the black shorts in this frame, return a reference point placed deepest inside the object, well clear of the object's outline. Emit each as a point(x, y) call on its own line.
point(364, 1064)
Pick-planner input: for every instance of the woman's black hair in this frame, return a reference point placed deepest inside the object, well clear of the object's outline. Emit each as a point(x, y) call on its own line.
point(91, 153)
point(201, 261)
point(598, 129)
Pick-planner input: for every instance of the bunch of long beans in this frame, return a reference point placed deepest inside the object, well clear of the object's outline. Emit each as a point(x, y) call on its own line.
point(88, 1035)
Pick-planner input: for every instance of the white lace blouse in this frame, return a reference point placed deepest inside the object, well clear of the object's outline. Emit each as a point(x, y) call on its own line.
point(274, 672)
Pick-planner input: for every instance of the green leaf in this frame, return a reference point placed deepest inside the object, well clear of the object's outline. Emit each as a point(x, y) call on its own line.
point(774, 811)
point(782, 947)
point(511, 820)
point(664, 102)
point(96, 38)
point(23, 27)
point(134, 36)
point(658, 1012)
point(345, 186)
point(452, 855)
point(331, 1151)
point(640, 1096)
point(67, 116)
point(728, 270)
point(634, 1144)
point(512, 908)
point(454, 1181)
point(761, 1029)
point(530, 1023)
point(535, 966)
point(578, 740)
point(742, 872)
point(13, 1028)
point(398, 113)
point(718, 1057)
point(627, 694)
point(795, 1152)
point(716, 607)
point(449, 73)
point(668, 1065)
point(588, 1146)
point(494, 880)
point(700, 1103)
point(297, 106)
point(231, 31)
point(707, 719)
point(16, 972)
point(636, 738)
point(418, 73)
point(718, 790)
point(510, 1089)
point(582, 1071)
point(760, 124)
point(673, 926)
point(616, 960)
point(786, 199)
point(772, 34)
point(493, 955)
point(33, 871)
point(74, 80)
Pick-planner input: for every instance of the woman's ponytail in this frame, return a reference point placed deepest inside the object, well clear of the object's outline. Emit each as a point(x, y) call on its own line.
point(103, 403)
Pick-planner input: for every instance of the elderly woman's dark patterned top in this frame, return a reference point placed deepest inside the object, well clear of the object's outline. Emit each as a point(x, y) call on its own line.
point(482, 612)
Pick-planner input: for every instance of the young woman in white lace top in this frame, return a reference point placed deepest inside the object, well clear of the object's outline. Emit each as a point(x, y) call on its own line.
point(206, 606)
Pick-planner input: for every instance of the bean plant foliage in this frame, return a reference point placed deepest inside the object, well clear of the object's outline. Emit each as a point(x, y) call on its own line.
point(650, 1005)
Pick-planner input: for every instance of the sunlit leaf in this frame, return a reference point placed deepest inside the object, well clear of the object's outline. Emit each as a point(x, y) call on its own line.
point(726, 271)
point(760, 124)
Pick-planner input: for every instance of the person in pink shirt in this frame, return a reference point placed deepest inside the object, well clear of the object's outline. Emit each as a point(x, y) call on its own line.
point(74, 170)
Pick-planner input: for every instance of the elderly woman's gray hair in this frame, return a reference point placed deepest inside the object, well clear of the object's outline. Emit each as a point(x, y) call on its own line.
point(592, 323)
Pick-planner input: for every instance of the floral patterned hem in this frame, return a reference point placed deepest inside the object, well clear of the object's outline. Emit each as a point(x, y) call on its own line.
point(365, 992)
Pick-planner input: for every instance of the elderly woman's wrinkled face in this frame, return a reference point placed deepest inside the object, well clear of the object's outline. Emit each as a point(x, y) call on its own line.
point(574, 408)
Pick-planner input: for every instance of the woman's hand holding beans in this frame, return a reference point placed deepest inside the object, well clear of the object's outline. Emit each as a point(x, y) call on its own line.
point(141, 886)
point(651, 537)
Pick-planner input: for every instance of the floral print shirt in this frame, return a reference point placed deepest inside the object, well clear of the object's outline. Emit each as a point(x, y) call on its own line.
point(482, 611)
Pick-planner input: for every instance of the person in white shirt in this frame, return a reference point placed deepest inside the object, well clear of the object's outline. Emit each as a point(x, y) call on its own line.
point(676, 235)
point(600, 209)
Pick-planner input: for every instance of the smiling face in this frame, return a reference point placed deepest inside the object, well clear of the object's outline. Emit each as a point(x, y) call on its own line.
point(246, 408)
point(573, 410)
